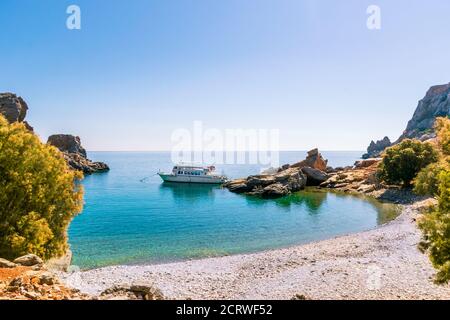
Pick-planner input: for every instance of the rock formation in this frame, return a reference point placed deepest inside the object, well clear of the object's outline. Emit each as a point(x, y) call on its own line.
point(376, 148)
point(313, 160)
point(75, 154)
point(13, 108)
point(436, 103)
point(284, 180)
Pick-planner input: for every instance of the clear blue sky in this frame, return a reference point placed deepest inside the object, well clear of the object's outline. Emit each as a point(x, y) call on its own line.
point(139, 69)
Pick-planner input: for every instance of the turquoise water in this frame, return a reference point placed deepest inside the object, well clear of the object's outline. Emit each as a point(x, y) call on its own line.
point(131, 217)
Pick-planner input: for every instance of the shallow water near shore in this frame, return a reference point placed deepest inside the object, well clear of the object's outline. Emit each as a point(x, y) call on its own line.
point(131, 217)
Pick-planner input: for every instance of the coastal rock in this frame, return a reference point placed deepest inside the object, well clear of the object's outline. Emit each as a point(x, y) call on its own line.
point(313, 160)
point(6, 263)
point(270, 186)
point(28, 260)
point(436, 103)
point(12, 107)
point(67, 143)
point(260, 180)
point(376, 148)
point(314, 176)
point(75, 154)
point(275, 190)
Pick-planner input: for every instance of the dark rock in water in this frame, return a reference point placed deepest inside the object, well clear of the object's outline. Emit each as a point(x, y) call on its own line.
point(270, 186)
point(14, 108)
point(376, 148)
point(313, 160)
point(436, 103)
point(314, 177)
point(75, 154)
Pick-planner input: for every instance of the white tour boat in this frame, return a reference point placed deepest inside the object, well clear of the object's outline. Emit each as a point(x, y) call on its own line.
point(193, 174)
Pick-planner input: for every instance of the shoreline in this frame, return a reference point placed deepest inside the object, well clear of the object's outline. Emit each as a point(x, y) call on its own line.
point(381, 263)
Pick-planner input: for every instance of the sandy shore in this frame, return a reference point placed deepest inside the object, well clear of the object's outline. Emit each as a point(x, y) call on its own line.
point(383, 263)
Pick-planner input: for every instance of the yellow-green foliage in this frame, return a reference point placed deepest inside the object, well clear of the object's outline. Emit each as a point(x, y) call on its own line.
point(402, 162)
point(39, 195)
point(436, 228)
point(427, 182)
point(435, 180)
point(443, 134)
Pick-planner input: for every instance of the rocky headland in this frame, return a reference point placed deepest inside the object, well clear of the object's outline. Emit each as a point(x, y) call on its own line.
point(14, 109)
point(436, 103)
point(75, 155)
point(284, 180)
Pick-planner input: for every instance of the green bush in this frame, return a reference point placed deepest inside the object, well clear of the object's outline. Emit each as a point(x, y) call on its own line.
point(436, 228)
point(39, 195)
point(427, 180)
point(402, 162)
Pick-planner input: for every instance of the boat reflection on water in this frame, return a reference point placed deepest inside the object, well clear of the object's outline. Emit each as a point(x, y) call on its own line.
point(189, 191)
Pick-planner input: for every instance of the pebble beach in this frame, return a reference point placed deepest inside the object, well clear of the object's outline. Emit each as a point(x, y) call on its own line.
point(383, 263)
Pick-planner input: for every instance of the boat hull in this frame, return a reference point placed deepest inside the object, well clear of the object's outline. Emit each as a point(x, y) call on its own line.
point(192, 179)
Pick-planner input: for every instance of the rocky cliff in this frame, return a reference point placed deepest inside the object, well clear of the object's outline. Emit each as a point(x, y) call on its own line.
point(14, 109)
point(436, 103)
point(75, 154)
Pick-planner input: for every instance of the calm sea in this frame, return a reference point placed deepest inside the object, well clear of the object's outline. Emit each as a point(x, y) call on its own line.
point(131, 217)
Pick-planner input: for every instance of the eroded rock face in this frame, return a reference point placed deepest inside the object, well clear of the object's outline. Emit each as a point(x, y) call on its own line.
point(67, 143)
point(314, 177)
point(436, 103)
point(75, 154)
point(13, 108)
point(313, 160)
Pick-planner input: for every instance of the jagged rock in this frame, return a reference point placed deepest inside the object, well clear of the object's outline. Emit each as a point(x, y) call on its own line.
point(75, 154)
point(28, 260)
point(6, 263)
point(12, 107)
point(313, 160)
point(436, 103)
point(376, 148)
point(314, 177)
point(67, 143)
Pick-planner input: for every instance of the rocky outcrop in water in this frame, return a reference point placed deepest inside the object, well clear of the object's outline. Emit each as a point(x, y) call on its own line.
point(436, 103)
point(75, 154)
point(376, 148)
point(13, 108)
point(284, 180)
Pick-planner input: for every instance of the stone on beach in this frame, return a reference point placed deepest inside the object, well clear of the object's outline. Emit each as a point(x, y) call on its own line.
point(28, 260)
